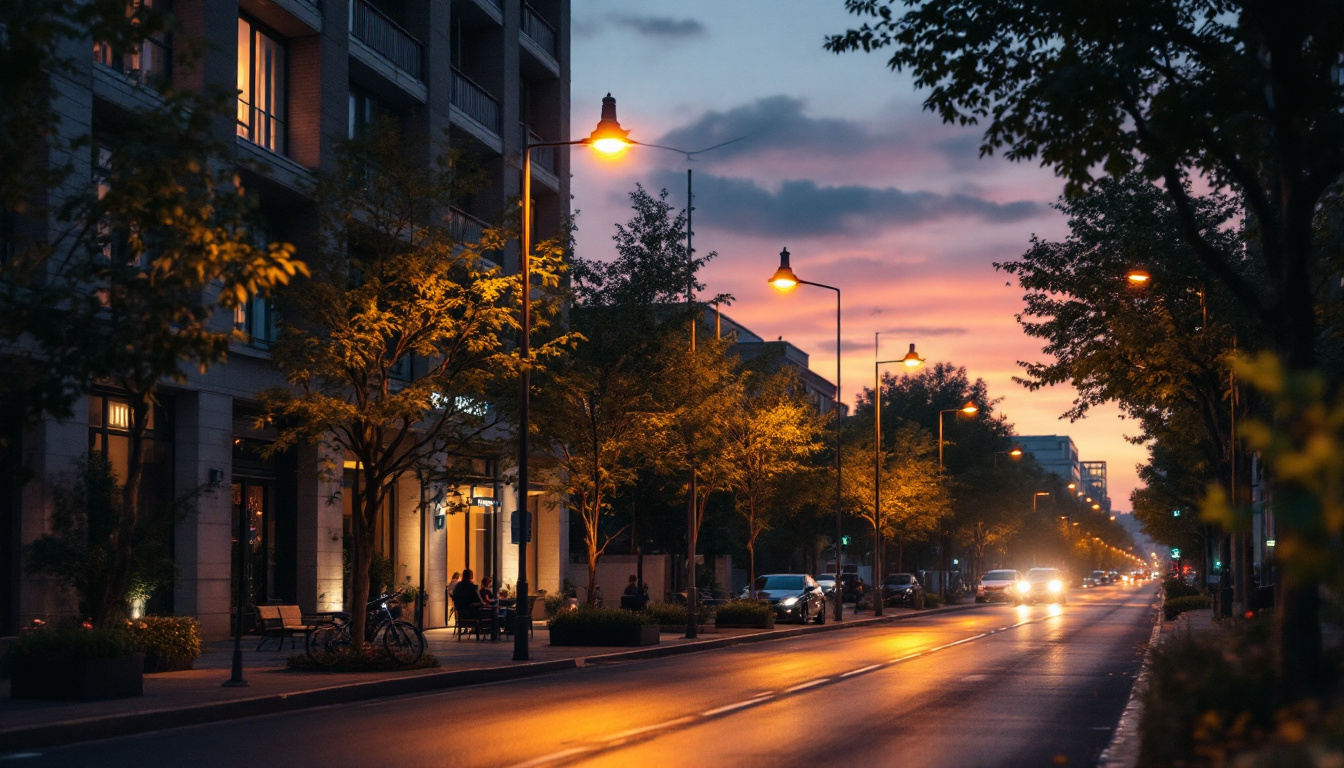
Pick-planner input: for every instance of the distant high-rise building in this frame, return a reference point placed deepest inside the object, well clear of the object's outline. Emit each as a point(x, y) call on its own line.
point(1094, 483)
point(1055, 453)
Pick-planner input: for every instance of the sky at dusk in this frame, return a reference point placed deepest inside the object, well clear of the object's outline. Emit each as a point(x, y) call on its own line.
point(869, 193)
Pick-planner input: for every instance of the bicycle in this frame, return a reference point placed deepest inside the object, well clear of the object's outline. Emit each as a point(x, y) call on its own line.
point(402, 640)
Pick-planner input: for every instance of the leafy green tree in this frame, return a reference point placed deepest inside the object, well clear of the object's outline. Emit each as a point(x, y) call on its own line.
point(771, 434)
point(916, 498)
point(1240, 96)
point(397, 349)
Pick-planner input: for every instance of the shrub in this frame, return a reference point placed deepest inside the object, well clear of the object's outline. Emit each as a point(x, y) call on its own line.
point(744, 612)
point(1176, 606)
point(556, 603)
point(167, 637)
point(1174, 588)
point(374, 658)
point(70, 639)
point(673, 614)
point(1208, 695)
point(592, 616)
point(932, 600)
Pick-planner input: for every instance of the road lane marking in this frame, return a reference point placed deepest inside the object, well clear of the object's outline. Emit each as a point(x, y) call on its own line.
point(649, 728)
point(808, 684)
point(868, 668)
point(738, 705)
point(554, 757)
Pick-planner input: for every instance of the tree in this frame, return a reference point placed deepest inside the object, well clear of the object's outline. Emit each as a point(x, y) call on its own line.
point(1240, 96)
point(393, 351)
point(915, 494)
point(771, 434)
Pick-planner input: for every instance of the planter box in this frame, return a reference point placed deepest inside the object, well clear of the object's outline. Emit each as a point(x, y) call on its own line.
point(618, 635)
point(78, 679)
point(155, 664)
point(749, 625)
point(670, 628)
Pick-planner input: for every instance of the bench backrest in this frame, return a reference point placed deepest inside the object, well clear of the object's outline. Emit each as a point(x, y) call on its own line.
point(291, 615)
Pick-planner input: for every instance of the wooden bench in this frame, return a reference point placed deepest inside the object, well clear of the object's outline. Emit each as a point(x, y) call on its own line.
point(281, 621)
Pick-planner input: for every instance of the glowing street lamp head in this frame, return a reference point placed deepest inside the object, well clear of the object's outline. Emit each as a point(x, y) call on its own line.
point(912, 358)
point(1072, 486)
point(970, 408)
point(608, 137)
point(784, 279)
point(1015, 452)
point(1138, 276)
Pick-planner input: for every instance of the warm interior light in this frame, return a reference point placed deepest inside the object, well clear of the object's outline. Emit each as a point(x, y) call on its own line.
point(912, 358)
point(1138, 276)
point(970, 408)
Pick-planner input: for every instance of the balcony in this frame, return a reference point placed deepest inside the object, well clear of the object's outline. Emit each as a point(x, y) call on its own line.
point(373, 28)
point(539, 31)
point(542, 157)
point(475, 102)
point(147, 65)
point(464, 227)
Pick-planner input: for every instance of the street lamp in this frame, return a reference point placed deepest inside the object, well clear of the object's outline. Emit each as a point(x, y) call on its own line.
point(609, 139)
point(1013, 453)
point(911, 360)
point(970, 409)
point(1037, 495)
point(784, 279)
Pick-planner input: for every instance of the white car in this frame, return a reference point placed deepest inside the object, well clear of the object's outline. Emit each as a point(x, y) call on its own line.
point(998, 585)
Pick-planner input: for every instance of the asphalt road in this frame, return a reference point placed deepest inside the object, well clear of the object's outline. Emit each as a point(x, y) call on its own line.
point(994, 686)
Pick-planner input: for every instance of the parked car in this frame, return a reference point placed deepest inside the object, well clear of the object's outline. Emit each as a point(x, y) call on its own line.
point(792, 596)
point(998, 585)
point(827, 583)
point(1043, 585)
point(901, 588)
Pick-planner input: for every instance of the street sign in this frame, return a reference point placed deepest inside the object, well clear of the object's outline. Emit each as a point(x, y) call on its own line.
point(513, 527)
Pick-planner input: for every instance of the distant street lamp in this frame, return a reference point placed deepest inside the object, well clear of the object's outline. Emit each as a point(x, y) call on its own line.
point(1035, 497)
point(784, 279)
point(911, 360)
point(1013, 453)
point(609, 139)
point(970, 409)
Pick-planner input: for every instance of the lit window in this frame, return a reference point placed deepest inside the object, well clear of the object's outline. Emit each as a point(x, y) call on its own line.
point(261, 87)
point(256, 320)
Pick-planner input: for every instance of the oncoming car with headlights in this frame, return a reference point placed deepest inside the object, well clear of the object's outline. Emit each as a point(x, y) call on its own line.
point(1043, 585)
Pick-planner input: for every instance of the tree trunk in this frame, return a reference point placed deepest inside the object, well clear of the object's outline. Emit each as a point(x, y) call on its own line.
point(751, 567)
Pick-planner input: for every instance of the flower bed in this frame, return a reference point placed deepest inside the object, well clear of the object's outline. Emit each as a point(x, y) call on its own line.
point(169, 643)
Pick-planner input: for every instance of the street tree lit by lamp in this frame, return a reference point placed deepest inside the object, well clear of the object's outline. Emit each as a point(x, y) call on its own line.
point(910, 360)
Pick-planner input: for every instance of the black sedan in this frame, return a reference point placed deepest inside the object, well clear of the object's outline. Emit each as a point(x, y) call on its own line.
point(901, 589)
point(792, 596)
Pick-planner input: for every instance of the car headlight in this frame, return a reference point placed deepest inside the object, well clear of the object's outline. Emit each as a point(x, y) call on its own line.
point(789, 601)
point(1024, 587)
point(1056, 586)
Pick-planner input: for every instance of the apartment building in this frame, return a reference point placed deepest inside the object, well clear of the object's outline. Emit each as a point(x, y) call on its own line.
point(480, 76)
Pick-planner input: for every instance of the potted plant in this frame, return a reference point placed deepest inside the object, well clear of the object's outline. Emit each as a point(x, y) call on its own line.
point(169, 643)
point(602, 626)
point(75, 662)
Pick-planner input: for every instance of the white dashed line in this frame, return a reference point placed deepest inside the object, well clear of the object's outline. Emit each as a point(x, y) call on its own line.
point(553, 757)
point(738, 705)
point(648, 728)
point(860, 671)
point(808, 684)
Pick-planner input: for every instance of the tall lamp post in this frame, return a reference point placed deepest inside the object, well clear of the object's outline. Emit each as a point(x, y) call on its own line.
point(609, 139)
point(1036, 496)
point(784, 279)
point(911, 360)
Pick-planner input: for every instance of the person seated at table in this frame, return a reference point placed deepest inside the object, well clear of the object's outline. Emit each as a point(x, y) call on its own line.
point(487, 591)
point(466, 595)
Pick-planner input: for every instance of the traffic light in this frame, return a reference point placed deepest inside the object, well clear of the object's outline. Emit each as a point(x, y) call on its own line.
point(1175, 513)
point(1176, 552)
point(844, 543)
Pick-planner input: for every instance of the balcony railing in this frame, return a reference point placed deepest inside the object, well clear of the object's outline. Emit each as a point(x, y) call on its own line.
point(373, 28)
point(541, 156)
point(149, 64)
point(472, 99)
point(464, 227)
point(541, 32)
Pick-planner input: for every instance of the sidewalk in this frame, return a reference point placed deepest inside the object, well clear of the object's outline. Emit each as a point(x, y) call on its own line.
point(176, 699)
point(1123, 751)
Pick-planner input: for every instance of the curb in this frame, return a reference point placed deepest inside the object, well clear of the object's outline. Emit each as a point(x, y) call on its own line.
point(1123, 749)
point(108, 726)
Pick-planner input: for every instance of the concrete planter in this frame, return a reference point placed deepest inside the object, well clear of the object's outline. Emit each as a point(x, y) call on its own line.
point(770, 624)
point(154, 663)
point(605, 634)
point(78, 679)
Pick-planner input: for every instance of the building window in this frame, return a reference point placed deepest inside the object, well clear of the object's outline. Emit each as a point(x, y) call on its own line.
point(365, 112)
point(150, 60)
point(255, 319)
point(261, 85)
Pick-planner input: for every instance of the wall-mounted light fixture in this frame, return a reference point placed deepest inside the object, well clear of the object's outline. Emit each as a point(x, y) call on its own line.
point(216, 478)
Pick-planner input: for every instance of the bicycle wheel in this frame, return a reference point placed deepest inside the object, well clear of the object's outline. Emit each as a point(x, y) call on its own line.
point(325, 643)
point(404, 642)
